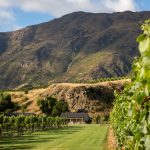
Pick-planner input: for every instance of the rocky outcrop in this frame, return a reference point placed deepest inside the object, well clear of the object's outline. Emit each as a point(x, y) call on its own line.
point(89, 97)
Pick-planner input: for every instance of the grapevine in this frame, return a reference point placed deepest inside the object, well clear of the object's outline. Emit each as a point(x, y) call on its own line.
point(11, 125)
point(130, 117)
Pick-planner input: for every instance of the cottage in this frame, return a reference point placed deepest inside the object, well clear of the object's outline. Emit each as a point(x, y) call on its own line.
point(76, 118)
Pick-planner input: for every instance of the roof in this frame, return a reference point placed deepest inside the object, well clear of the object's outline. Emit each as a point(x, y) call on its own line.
point(85, 116)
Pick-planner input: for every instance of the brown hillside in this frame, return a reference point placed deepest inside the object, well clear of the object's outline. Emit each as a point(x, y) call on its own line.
point(91, 97)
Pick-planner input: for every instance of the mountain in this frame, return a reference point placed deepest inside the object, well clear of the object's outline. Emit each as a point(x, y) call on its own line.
point(77, 46)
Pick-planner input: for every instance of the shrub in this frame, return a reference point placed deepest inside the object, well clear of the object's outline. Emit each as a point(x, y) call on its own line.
point(6, 105)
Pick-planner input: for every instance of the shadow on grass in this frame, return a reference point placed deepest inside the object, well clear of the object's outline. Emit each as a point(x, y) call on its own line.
point(21, 147)
point(29, 141)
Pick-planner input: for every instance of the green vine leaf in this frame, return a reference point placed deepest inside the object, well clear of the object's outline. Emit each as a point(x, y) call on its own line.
point(130, 116)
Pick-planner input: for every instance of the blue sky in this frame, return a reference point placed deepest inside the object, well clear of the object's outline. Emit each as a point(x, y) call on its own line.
point(17, 14)
point(143, 5)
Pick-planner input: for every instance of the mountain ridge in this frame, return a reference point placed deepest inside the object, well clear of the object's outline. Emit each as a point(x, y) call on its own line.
point(77, 46)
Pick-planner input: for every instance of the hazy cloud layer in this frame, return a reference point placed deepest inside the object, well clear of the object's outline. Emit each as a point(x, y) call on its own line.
point(58, 8)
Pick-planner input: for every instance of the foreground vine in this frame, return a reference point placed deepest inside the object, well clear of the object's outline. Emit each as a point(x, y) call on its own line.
point(130, 117)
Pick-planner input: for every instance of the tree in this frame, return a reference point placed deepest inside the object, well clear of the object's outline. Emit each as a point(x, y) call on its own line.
point(46, 105)
point(50, 106)
point(6, 105)
point(61, 106)
point(55, 112)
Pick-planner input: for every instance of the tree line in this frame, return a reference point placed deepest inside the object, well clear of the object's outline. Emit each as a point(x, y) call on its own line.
point(103, 79)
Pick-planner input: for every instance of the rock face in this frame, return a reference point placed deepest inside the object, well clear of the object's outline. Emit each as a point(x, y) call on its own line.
point(77, 46)
point(86, 98)
point(89, 97)
point(92, 98)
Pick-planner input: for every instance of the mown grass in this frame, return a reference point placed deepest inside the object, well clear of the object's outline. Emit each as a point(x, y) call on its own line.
point(79, 137)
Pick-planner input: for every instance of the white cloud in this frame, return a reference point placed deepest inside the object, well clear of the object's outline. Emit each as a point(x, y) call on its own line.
point(61, 7)
point(7, 20)
point(120, 5)
point(6, 15)
point(58, 8)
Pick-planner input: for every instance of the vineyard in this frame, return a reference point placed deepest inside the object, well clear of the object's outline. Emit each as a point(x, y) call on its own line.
point(131, 113)
point(18, 125)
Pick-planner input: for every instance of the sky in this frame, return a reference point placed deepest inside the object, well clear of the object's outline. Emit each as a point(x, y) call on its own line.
point(17, 14)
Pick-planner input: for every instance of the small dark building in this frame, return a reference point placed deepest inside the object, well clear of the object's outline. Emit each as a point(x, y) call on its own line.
point(76, 118)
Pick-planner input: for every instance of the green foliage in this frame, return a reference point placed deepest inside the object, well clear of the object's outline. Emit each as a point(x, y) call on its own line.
point(10, 125)
point(52, 107)
point(103, 79)
point(6, 105)
point(23, 108)
point(101, 119)
point(131, 113)
point(98, 119)
point(26, 91)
